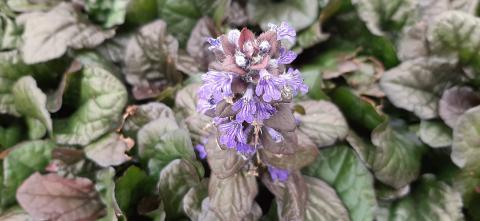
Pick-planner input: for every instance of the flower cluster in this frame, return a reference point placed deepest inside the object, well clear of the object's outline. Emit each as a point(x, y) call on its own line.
point(247, 84)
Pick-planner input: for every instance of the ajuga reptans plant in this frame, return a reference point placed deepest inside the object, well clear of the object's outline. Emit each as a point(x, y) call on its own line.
point(248, 92)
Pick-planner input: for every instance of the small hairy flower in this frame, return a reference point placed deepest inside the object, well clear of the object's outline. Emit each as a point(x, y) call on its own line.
point(278, 174)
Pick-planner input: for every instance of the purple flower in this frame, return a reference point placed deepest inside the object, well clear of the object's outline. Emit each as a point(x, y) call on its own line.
point(214, 44)
point(264, 110)
point(216, 84)
point(286, 56)
point(245, 149)
point(284, 31)
point(270, 86)
point(231, 134)
point(278, 174)
point(245, 106)
point(276, 136)
point(204, 105)
point(294, 80)
point(202, 153)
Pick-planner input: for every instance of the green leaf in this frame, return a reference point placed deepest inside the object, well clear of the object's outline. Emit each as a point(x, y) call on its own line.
point(322, 122)
point(299, 14)
point(107, 12)
point(24, 159)
point(435, 133)
point(11, 69)
point(150, 60)
point(356, 110)
point(232, 198)
point(31, 102)
point(339, 167)
point(430, 200)
point(29, 6)
point(397, 157)
point(162, 141)
point(109, 150)
point(312, 36)
point(36, 129)
point(9, 136)
point(141, 11)
point(182, 15)
point(175, 181)
point(144, 114)
point(456, 33)
point(129, 186)
point(466, 137)
point(9, 33)
point(106, 188)
point(48, 35)
point(323, 204)
point(99, 101)
point(192, 201)
point(416, 85)
point(380, 14)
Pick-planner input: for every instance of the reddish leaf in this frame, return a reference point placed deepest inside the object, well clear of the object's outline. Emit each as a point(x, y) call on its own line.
point(52, 197)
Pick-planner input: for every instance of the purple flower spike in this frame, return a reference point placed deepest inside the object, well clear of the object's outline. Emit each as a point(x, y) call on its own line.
point(245, 149)
point(284, 31)
point(278, 174)
point(246, 107)
point(286, 56)
point(269, 86)
point(264, 110)
point(294, 80)
point(217, 84)
point(204, 105)
point(202, 153)
point(231, 134)
point(276, 136)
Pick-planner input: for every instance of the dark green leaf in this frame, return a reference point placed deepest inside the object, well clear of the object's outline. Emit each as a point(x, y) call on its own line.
point(397, 157)
point(31, 102)
point(106, 188)
point(174, 182)
point(182, 15)
point(340, 167)
point(431, 200)
point(9, 136)
point(24, 159)
point(98, 107)
point(129, 186)
point(107, 12)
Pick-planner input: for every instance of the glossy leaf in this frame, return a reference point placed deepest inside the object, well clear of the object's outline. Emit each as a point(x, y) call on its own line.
point(323, 203)
point(322, 122)
point(465, 149)
point(31, 102)
point(174, 182)
point(435, 133)
point(454, 102)
point(107, 12)
point(339, 167)
point(98, 107)
point(25, 159)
